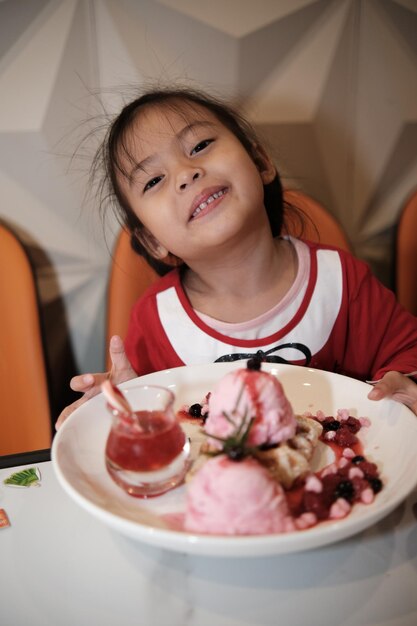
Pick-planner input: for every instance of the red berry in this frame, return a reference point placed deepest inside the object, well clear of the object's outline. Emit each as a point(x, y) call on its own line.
point(314, 503)
point(359, 485)
point(369, 469)
point(330, 483)
point(353, 424)
point(343, 472)
point(345, 438)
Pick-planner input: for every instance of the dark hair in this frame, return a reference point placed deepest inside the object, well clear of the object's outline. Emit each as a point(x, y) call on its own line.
point(114, 151)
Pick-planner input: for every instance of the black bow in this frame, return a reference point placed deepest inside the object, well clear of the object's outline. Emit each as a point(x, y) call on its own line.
point(268, 356)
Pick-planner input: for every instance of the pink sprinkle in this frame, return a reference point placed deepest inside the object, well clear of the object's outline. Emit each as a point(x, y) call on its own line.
point(343, 414)
point(330, 469)
point(320, 416)
point(330, 434)
point(365, 421)
point(314, 484)
point(348, 453)
point(305, 520)
point(367, 496)
point(343, 462)
point(355, 472)
point(339, 509)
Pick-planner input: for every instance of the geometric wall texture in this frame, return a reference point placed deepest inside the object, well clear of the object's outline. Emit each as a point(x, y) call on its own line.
point(330, 84)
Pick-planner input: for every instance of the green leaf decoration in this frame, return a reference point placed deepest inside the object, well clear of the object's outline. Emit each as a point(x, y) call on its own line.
point(29, 477)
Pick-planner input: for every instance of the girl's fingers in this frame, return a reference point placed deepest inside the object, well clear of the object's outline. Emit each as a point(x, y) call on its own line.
point(90, 384)
point(398, 387)
point(379, 391)
point(86, 383)
point(82, 383)
point(121, 368)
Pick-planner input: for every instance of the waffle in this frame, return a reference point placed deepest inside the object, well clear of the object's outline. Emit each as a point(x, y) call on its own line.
point(291, 460)
point(286, 462)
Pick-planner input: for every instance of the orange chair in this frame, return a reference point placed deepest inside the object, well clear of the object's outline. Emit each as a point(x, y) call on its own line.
point(321, 226)
point(130, 274)
point(25, 416)
point(406, 256)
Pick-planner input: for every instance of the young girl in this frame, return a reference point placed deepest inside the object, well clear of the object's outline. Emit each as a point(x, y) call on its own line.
point(200, 194)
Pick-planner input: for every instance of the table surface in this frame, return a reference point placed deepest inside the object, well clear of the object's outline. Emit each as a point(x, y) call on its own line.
point(61, 566)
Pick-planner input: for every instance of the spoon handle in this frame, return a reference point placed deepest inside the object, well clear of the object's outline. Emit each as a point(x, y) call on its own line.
point(115, 397)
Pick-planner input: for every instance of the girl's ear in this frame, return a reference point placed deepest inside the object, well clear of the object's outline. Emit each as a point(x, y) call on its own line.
point(150, 243)
point(264, 164)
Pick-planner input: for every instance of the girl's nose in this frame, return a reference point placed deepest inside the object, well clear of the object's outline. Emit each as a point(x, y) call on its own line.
point(187, 177)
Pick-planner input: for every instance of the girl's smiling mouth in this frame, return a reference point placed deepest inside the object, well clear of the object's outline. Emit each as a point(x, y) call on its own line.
point(205, 199)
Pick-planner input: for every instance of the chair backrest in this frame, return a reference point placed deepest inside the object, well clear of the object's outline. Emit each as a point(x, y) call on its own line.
point(323, 227)
point(130, 274)
point(25, 416)
point(406, 256)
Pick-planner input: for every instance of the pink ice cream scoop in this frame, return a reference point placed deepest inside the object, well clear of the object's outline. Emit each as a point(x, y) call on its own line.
point(235, 498)
point(244, 394)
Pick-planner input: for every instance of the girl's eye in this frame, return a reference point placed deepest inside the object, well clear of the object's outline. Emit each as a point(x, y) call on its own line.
point(200, 146)
point(151, 183)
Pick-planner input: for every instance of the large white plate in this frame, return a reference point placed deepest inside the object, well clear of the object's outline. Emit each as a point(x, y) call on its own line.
point(390, 441)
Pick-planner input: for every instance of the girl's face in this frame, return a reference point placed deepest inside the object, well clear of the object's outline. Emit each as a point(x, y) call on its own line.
point(191, 183)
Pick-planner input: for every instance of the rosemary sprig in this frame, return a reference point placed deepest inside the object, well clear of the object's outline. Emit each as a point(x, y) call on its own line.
point(235, 445)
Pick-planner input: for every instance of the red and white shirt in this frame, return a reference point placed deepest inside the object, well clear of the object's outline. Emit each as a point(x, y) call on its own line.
point(336, 316)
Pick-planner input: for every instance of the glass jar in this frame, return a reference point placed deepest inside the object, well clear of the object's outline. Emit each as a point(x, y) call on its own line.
point(147, 452)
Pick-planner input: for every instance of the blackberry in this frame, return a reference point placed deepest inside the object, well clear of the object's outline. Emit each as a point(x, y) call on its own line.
point(369, 469)
point(237, 453)
point(195, 410)
point(358, 459)
point(345, 490)
point(375, 484)
point(331, 425)
point(254, 363)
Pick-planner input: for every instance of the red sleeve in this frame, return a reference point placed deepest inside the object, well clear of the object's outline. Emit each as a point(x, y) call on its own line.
point(136, 346)
point(381, 334)
point(147, 345)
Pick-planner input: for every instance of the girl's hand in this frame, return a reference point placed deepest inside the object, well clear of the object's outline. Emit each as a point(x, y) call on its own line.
point(398, 387)
point(90, 384)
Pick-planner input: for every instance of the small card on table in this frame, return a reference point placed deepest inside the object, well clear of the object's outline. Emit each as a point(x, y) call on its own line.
point(4, 520)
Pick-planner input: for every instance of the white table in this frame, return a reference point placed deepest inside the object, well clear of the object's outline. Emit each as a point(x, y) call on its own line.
point(61, 567)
